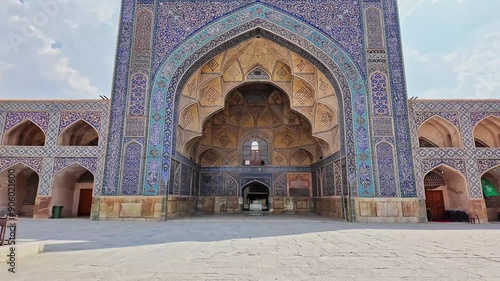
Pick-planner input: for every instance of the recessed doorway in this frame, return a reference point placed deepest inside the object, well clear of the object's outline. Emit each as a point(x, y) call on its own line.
point(254, 195)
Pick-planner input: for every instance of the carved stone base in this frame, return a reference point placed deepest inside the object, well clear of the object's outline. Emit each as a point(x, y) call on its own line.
point(389, 210)
point(42, 207)
point(329, 207)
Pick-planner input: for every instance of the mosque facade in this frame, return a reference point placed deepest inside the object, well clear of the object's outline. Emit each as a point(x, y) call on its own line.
point(285, 107)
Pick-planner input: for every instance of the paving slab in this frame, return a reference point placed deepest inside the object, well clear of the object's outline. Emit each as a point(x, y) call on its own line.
point(263, 248)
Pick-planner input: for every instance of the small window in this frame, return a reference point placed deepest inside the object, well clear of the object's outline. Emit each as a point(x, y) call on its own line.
point(255, 145)
point(255, 152)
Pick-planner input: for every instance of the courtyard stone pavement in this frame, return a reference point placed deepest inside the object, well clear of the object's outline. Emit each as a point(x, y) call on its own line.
point(274, 248)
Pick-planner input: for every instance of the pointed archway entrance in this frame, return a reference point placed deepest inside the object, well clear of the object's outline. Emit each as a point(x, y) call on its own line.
point(446, 194)
point(255, 197)
point(330, 62)
point(490, 182)
point(18, 189)
point(73, 189)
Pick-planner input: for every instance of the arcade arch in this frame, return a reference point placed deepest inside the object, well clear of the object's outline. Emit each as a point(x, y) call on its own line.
point(491, 179)
point(72, 188)
point(80, 133)
point(439, 132)
point(255, 193)
point(487, 132)
point(25, 133)
point(26, 187)
point(445, 189)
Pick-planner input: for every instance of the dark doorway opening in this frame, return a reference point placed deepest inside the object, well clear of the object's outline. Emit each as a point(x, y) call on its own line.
point(255, 194)
point(85, 203)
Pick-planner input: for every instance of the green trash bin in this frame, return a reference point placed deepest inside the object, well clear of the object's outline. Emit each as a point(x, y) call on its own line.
point(56, 212)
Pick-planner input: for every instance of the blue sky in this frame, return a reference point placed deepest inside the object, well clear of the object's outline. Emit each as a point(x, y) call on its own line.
point(451, 48)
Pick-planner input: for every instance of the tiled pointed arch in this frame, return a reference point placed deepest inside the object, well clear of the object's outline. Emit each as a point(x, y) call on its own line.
point(40, 119)
point(4, 138)
point(423, 116)
point(280, 185)
point(68, 118)
point(61, 163)
point(143, 27)
point(386, 166)
point(33, 163)
point(244, 185)
point(74, 123)
point(375, 28)
point(132, 168)
point(487, 164)
point(138, 94)
point(428, 165)
point(449, 126)
point(477, 117)
point(486, 131)
point(261, 20)
point(380, 94)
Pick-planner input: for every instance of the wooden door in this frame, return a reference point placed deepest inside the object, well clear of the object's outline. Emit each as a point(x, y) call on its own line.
point(85, 202)
point(434, 200)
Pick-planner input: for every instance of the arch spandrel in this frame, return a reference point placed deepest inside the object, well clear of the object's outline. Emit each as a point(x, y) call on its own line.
point(283, 29)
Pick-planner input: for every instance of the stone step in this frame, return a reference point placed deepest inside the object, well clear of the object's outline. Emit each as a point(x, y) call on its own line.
point(23, 249)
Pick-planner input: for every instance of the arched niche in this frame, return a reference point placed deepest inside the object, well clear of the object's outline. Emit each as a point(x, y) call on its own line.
point(374, 28)
point(445, 189)
point(72, 188)
point(490, 182)
point(339, 69)
point(26, 188)
point(26, 133)
point(132, 169)
point(206, 94)
point(257, 194)
point(487, 132)
point(79, 133)
point(256, 109)
point(440, 132)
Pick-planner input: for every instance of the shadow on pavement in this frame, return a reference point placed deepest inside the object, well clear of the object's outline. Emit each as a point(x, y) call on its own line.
point(84, 234)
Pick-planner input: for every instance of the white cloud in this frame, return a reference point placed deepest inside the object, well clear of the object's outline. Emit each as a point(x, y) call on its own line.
point(63, 72)
point(416, 55)
point(469, 71)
